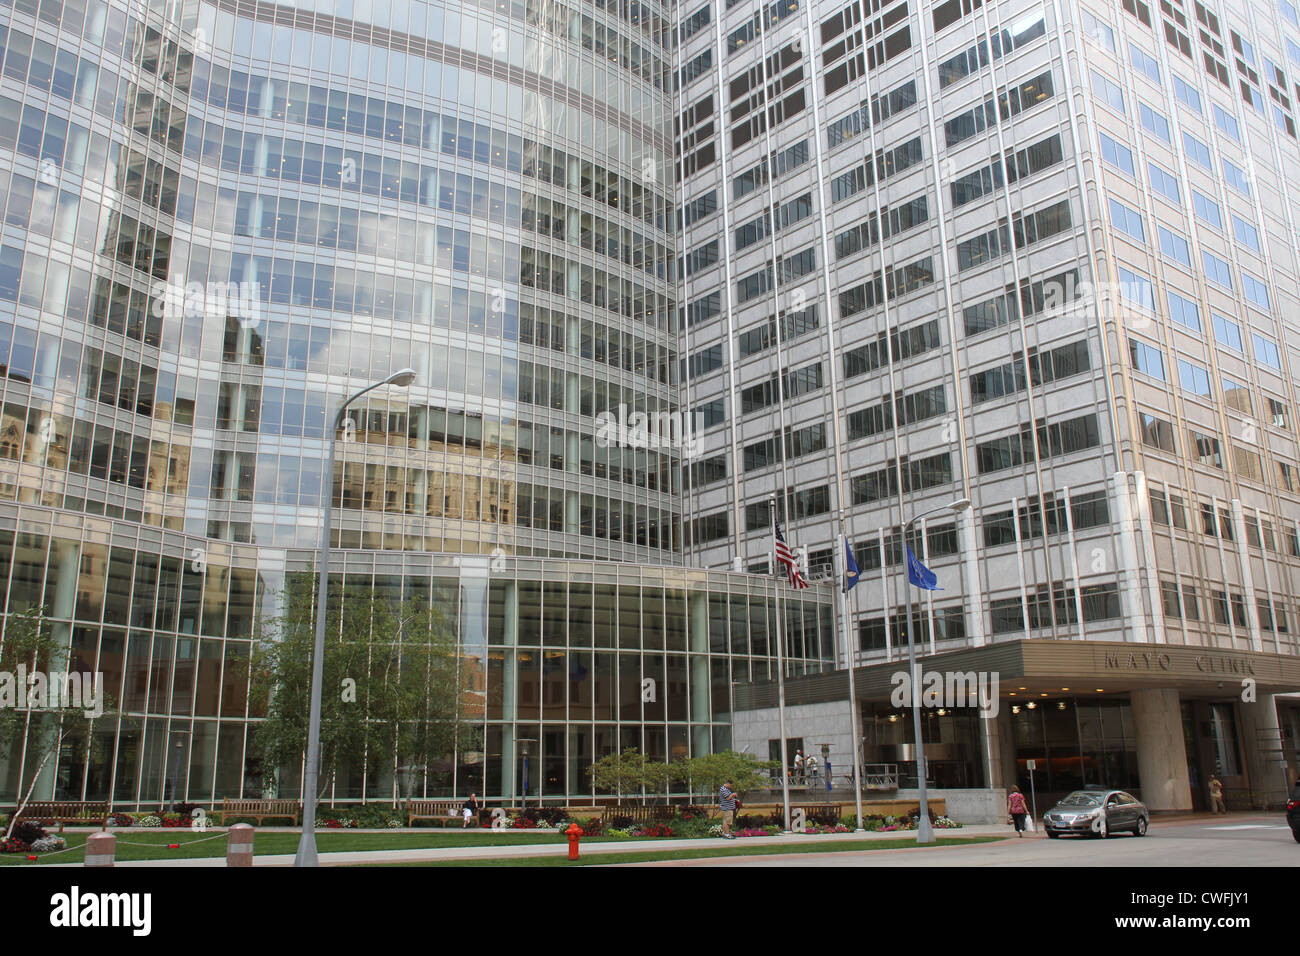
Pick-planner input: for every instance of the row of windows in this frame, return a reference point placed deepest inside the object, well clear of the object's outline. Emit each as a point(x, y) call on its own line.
point(763, 336)
point(902, 345)
point(1010, 102)
point(781, 217)
point(798, 442)
point(794, 505)
point(1035, 297)
point(1033, 520)
point(886, 163)
point(1019, 164)
point(1022, 32)
point(1046, 440)
point(1205, 449)
point(889, 221)
point(1026, 229)
point(905, 409)
point(881, 107)
point(1169, 510)
point(778, 164)
point(1055, 607)
point(781, 388)
point(1044, 368)
point(901, 280)
point(918, 475)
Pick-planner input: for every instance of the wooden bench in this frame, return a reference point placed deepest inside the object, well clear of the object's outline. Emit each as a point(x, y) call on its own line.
point(637, 814)
point(66, 811)
point(443, 810)
point(259, 810)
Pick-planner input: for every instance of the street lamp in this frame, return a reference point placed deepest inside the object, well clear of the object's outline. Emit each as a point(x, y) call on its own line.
point(924, 832)
point(524, 746)
point(306, 855)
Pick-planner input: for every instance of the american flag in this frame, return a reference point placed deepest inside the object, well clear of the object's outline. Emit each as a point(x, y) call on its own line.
point(786, 557)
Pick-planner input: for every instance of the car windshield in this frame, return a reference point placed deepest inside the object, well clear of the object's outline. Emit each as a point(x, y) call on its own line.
point(1081, 799)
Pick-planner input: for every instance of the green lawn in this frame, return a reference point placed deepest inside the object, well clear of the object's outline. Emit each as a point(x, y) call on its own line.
point(755, 846)
point(152, 845)
point(268, 844)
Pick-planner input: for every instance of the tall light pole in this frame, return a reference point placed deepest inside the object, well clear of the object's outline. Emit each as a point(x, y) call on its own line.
point(924, 832)
point(306, 855)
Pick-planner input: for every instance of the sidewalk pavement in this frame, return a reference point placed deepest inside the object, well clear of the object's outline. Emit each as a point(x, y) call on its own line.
point(431, 854)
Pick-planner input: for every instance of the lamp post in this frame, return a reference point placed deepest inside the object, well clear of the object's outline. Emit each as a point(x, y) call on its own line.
point(924, 832)
point(524, 745)
point(306, 855)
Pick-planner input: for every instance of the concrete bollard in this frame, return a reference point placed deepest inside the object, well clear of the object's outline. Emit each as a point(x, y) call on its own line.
point(239, 845)
point(100, 849)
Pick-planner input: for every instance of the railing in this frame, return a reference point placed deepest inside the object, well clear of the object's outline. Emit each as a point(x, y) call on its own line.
point(875, 776)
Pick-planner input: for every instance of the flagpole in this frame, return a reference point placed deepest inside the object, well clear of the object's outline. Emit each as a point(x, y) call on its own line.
point(780, 668)
point(924, 832)
point(854, 723)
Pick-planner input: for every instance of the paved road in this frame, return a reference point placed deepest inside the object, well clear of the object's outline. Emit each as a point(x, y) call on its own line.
point(1238, 840)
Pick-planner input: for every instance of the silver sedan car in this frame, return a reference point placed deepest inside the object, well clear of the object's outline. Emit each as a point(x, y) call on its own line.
point(1097, 813)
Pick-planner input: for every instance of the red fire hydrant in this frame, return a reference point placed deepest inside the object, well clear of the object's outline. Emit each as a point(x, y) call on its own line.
point(574, 834)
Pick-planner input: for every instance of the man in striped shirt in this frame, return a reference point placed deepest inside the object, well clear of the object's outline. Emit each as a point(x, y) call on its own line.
point(727, 803)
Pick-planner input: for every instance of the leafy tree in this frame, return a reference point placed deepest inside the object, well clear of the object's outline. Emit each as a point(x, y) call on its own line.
point(42, 710)
point(621, 772)
point(391, 689)
point(707, 772)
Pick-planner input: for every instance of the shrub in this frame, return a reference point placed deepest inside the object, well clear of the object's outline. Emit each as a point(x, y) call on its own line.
point(121, 820)
point(48, 844)
point(622, 823)
point(375, 816)
point(591, 826)
point(149, 820)
point(13, 846)
point(28, 832)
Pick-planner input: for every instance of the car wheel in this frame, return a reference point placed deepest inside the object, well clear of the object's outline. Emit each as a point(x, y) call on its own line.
point(1052, 835)
point(1140, 829)
point(1103, 830)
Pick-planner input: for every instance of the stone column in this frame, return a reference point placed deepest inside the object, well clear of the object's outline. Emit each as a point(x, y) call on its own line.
point(1161, 753)
point(1261, 742)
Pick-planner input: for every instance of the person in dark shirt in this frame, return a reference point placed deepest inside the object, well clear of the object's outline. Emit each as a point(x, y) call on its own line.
point(469, 811)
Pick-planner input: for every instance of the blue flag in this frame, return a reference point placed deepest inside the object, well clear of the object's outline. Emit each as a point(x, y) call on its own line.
point(919, 574)
point(850, 568)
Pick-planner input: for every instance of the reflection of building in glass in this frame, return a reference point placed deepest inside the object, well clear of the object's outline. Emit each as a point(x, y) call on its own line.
point(220, 222)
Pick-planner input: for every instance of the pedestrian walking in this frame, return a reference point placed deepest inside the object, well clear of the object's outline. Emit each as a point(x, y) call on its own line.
point(811, 765)
point(727, 804)
point(469, 811)
point(1016, 807)
point(1216, 795)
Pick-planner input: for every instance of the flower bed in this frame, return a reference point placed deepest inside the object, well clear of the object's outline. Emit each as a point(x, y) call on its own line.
point(32, 838)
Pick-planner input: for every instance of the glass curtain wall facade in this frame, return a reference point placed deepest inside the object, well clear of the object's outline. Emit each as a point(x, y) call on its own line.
point(219, 220)
point(1038, 254)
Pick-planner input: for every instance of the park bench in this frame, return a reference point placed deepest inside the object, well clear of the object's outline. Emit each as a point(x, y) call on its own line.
point(443, 810)
point(65, 811)
point(637, 814)
point(259, 810)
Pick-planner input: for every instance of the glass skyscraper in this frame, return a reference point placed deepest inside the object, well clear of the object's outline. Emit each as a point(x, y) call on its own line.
point(221, 219)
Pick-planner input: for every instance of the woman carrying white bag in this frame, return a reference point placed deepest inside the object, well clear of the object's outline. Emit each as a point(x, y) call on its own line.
point(1019, 812)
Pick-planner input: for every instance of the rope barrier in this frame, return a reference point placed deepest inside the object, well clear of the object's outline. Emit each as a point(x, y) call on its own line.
point(155, 846)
